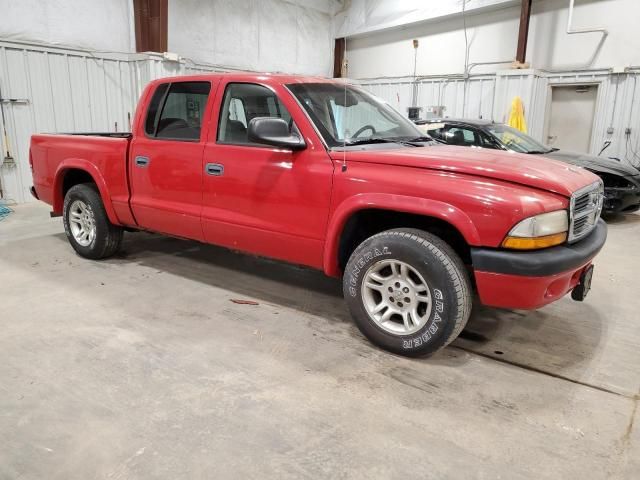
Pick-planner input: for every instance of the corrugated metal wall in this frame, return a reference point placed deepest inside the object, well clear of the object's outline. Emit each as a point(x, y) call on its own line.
point(471, 99)
point(490, 97)
point(62, 90)
point(617, 108)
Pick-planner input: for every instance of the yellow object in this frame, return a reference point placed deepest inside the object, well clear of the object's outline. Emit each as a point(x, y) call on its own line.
point(516, 116)
point(523, 243)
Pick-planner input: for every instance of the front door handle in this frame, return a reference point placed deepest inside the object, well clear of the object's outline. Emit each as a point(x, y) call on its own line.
point(142, 161)
point(215, 169)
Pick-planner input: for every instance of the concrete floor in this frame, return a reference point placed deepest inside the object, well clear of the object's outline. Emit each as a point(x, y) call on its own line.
point(142, 367)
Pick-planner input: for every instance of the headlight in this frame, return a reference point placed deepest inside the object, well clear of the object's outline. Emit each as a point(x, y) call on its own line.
point(542, 231)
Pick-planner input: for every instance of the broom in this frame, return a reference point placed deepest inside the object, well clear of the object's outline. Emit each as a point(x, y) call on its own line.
point(8, 159)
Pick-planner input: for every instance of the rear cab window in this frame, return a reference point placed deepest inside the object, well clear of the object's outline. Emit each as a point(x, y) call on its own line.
point(176, 109)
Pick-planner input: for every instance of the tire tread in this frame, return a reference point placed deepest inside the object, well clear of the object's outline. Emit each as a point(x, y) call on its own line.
point(114, 233)
point(452, 263)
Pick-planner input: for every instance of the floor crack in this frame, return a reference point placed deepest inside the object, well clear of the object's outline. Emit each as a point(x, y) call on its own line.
point(626, 438)
point(545, 372)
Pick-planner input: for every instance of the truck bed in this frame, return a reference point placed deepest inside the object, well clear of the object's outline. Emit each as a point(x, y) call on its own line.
point(55, 157)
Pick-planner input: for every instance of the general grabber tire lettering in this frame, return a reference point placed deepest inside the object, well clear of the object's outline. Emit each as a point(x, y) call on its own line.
point(86, 224)
point(408, 291)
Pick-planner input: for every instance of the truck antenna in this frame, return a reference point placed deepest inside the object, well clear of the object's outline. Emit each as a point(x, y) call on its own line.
point(345, 66)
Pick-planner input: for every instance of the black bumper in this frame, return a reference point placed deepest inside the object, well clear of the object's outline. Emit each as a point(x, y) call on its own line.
point(34, 193)
point(541, 263)
point(618, 200)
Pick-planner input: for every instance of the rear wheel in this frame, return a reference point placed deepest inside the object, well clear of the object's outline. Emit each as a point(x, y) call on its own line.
point(86, 224)
point(408, 291)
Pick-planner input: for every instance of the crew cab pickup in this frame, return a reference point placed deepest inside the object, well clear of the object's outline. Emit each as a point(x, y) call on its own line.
point(320, 173)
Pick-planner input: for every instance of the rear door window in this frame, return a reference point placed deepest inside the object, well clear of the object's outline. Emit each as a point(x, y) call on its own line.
point(180, 117)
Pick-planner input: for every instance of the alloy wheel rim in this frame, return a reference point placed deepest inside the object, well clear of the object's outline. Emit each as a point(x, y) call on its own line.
point(82, 223)
point(396, 297)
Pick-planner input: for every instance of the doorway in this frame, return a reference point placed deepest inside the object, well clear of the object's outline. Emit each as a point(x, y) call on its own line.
point(570, 117)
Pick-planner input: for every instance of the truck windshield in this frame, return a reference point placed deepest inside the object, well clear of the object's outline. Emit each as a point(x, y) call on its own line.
point(516, 140)
point(349, 115)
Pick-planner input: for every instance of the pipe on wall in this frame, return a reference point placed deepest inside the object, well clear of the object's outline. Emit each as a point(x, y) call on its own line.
point(476, 64)
point(571, 31)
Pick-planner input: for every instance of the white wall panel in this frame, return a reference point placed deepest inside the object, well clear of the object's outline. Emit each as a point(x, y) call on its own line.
point(364, 16)
point(398, 95)
point(265, 35)
point(92, 24)
point(511, 84)
point(384, 30)
point(480, 98)
point(477, 102)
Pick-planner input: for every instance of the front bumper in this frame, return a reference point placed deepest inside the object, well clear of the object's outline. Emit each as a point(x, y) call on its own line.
point(530, 280)
point(618, 200)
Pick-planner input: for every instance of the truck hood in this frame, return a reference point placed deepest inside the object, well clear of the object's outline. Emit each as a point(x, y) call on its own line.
point(530, 170)
point(597, 164)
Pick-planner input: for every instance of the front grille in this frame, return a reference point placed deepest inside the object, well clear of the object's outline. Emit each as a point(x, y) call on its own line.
point(582, 202)
point(586, 205)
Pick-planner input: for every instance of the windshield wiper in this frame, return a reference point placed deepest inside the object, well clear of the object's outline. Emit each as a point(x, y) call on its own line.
point(414, 142)
point(366, 141)
point(538, 152)
point(423, 138)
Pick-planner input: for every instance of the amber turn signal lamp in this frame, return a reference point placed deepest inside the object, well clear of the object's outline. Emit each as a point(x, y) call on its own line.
point(523, 243)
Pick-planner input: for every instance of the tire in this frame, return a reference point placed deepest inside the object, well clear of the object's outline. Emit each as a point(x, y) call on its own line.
point(432, 271)
point(105, 239)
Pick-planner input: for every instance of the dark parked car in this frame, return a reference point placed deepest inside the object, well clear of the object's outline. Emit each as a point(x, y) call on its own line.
point(621, 182)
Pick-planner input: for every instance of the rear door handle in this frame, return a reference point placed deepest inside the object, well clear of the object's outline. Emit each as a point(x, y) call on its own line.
point(142, 161)
point(214, 169)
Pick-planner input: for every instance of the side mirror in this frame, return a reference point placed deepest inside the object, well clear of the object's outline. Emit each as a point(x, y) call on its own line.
point(274, 131)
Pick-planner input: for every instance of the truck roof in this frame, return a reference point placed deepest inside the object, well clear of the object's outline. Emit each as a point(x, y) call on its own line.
point(249, 76)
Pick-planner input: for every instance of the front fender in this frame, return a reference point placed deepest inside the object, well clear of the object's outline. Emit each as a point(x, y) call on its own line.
point(400, 203)
point(91, 169)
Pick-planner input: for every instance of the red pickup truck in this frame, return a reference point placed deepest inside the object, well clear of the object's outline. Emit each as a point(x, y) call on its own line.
point(319, 173)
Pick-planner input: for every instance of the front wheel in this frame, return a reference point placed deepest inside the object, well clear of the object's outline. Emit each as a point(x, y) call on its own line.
point(86, 224)
point(408, 291)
